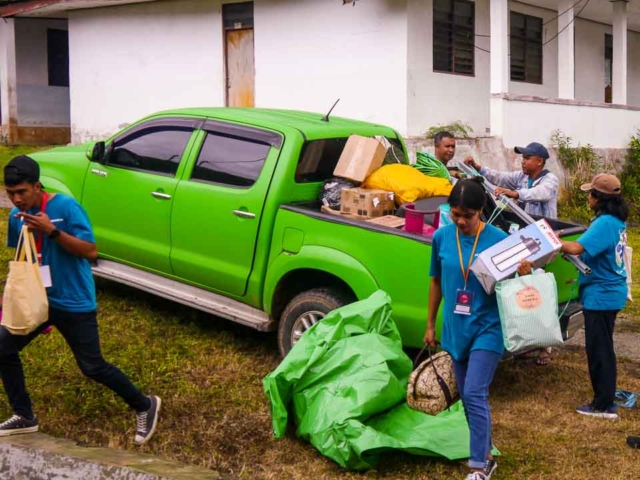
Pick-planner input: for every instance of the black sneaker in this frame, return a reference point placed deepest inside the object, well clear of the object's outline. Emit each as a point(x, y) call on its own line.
point(633, 442)
point(17, 424)
point(490, 467)
point(146, 422)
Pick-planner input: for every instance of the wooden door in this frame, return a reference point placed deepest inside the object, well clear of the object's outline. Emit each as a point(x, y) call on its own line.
point(240, 68)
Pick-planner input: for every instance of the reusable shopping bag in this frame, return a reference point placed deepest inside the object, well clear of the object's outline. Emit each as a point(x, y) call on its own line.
point(24, 303)
point(528, 308)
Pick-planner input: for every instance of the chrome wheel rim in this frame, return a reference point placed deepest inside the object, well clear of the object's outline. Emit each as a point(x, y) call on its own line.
point(303, 323)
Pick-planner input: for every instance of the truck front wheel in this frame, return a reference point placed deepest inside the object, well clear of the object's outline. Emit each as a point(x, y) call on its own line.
point(305, 310)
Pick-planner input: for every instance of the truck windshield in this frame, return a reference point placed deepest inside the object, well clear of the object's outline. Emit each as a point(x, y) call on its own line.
point(320, 157)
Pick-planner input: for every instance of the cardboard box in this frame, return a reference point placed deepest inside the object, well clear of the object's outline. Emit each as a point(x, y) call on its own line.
point(361, 157)
point(367, 203)
point(537, 243)
point(337, 213)
point(390, 221)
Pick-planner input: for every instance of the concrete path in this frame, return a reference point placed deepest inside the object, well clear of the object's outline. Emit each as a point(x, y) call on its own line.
point(41, 457)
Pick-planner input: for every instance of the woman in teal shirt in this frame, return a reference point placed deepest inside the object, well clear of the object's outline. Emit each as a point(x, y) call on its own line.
point(471, 332)
point(603, 293)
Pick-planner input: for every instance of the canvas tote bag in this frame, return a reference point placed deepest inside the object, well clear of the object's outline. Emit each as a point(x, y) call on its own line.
point(24, 303)
point(528, 308)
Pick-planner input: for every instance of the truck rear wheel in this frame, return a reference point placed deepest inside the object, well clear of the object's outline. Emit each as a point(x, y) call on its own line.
point(305, 310)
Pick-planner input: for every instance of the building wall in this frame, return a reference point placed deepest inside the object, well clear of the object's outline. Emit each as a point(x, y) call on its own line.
point(633, 69)
point(130, 61)
point(134, 60)
point(170, 54)
point(589, 62)
point(601, 127)
point(38, 103)
point(309, 53)
point(590, 79)
point(442, 98)
point(549, 86)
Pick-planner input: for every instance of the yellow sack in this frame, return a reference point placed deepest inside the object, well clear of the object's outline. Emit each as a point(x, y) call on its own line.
point(407, 183)
point(25, 305)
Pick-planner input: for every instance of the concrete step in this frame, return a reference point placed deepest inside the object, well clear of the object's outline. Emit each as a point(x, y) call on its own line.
point(42, 457)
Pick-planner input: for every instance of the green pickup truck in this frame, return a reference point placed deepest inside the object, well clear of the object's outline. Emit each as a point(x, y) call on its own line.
point(217, 208)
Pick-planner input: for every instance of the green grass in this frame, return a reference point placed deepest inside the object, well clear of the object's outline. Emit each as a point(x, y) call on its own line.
point(209, 374)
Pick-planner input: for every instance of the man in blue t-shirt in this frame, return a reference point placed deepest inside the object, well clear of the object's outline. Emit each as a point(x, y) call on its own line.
point(66, 246)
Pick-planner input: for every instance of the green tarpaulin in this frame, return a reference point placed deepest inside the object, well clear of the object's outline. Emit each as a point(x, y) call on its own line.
point(344, 383)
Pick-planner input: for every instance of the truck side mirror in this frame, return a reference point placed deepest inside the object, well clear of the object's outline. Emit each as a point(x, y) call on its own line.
point(97, 153)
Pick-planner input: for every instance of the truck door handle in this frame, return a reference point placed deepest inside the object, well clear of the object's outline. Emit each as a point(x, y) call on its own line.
point(163, 196)
point(243, 214)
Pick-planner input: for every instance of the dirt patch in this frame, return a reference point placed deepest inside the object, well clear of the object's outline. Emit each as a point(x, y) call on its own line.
point(626, 339)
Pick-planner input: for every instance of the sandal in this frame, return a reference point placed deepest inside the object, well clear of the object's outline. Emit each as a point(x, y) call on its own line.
point(544, 358)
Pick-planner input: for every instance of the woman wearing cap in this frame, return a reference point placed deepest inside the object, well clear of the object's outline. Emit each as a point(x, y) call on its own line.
point(603, 293)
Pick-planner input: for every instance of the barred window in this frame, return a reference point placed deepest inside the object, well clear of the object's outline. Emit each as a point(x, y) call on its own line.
point(454, 36)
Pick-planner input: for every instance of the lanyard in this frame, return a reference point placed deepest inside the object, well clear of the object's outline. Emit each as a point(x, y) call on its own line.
point(43, 206)
point(465, 274)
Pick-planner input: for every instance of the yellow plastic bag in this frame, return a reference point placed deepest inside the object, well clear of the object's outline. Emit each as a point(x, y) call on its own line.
point(407, 183)
point(25, 303)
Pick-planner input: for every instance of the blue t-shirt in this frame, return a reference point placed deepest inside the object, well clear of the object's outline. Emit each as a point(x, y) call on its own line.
point(604, 243)
point(73, 288)
point(463, 333)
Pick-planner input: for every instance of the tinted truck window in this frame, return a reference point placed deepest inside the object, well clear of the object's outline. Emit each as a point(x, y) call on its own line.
point(155, 150)
point(319, 158)
point(230, 160)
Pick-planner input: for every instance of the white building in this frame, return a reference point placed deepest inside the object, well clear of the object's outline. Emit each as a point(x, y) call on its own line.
point(513, 70)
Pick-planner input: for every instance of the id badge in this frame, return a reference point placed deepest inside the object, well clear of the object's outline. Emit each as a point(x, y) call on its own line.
point(45, 273)
point(464, 302)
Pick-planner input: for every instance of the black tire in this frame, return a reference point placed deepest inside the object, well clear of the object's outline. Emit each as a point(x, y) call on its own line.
point(317, 300)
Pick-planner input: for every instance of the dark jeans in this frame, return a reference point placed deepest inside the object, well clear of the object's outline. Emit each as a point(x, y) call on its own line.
point(598, 329)
point(80, 330)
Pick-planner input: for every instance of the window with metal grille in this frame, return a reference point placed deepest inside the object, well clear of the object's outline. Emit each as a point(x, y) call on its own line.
point(526, 48)
point(453, 36)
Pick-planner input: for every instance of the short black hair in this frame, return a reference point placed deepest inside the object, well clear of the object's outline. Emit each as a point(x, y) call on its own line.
point(468, 194)
point(21, 169)
point(440, 135)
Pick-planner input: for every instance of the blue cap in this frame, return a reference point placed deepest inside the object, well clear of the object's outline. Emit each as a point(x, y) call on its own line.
point(535, 149)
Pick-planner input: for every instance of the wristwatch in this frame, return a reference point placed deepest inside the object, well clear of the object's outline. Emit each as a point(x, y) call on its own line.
point(55, 234)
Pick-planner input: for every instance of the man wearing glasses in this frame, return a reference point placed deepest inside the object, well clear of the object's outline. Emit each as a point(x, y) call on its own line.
point(534, 186)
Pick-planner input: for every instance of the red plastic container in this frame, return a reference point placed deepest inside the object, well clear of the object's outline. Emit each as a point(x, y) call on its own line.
point(413, 219)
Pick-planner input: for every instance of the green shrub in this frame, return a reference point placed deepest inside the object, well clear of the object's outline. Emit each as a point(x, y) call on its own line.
point(580, 164)
point(458, 129)
point(631, 179)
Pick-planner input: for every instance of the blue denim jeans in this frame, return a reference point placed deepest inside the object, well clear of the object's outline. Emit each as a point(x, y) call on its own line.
point(473, 376)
